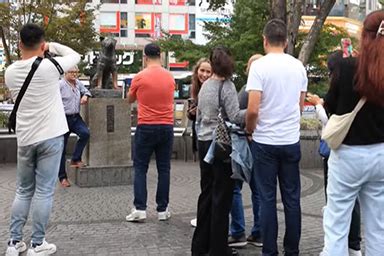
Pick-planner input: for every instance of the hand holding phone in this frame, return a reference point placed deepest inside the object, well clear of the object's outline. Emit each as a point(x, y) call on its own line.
point(346, 46)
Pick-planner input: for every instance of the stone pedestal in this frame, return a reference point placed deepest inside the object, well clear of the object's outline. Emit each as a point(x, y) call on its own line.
point(108, 153)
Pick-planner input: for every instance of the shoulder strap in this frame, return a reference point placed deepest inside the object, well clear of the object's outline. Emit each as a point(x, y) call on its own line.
point(221, 103)
point(359, 105)
point(27, 81)
point(57, 65)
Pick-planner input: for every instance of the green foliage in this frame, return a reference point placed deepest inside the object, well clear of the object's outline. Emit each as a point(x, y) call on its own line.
point(3, 120)
point(64, 21)
point(319, 87)
point(329, 41)
point(310, 124)
point(242, 35)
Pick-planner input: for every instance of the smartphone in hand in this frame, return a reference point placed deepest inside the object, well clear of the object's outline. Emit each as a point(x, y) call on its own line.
point(346, 46)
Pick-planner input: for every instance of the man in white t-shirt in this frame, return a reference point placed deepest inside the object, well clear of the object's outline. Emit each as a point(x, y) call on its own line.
point(40, 125)
point(276, 85)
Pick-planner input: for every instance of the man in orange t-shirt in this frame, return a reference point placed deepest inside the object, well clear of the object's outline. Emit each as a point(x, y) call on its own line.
point(153, 89)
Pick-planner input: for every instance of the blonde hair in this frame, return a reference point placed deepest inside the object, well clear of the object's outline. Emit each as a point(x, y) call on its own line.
point(252, 59)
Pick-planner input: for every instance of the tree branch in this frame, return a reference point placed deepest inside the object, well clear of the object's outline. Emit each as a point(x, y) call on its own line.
point(313, 35)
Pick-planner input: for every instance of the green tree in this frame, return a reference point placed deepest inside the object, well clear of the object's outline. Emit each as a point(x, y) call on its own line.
point(242, 35)
point(64, 21)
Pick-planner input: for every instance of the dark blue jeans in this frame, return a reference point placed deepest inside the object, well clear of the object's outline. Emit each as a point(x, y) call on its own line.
point(237, 211)
point(77, 126)
point(149, 139)
point(279, 162)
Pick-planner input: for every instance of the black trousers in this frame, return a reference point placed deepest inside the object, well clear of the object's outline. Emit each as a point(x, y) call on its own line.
point(214, 205)
point(354, 236)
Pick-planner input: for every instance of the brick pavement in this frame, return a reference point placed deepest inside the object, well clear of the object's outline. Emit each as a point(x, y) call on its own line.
point(91, 221)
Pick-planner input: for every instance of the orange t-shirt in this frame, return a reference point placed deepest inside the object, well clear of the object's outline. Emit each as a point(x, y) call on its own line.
point(154, 89)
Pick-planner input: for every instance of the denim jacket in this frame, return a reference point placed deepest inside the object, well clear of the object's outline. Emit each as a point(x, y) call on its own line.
point(241, 156)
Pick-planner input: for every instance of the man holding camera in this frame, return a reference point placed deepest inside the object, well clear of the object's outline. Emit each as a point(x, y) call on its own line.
point(40, 126)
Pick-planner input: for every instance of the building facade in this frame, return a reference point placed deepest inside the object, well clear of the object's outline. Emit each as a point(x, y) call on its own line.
point(136, 22)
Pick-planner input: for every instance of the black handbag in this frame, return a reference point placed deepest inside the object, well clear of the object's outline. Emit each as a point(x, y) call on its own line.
point(223, 143)
point(12, 117)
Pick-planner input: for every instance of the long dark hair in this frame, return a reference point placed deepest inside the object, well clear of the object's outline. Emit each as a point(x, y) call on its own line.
point(196, 84)
point(370, 73)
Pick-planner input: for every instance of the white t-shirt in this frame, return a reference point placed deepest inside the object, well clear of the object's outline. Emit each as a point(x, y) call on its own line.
point(41, 113)
point(281, 78)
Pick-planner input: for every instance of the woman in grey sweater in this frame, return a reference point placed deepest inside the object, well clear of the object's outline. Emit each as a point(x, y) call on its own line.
point(215, 200)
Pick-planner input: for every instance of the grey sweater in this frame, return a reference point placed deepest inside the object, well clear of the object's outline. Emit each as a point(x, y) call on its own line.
point(208, 107)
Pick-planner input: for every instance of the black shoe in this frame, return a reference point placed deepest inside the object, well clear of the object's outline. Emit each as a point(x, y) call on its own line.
point(237, 242)
point(256, 241)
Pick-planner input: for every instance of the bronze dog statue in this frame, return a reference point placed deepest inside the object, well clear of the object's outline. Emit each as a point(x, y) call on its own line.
point(106, 66)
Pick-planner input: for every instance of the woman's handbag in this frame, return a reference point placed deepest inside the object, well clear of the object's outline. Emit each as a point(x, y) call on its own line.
point(338, 126)
point(223, 144)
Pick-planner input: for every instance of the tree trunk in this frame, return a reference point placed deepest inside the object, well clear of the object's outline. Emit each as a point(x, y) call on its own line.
point(6, 47)
point(279, 10)
point(313, 35)
point(295, 12)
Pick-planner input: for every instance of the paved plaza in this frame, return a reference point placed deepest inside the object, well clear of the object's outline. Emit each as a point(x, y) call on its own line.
point(91, 221)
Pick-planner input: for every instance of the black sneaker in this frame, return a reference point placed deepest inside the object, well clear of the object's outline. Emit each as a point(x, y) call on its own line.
point(237, 242)
point(256, 241)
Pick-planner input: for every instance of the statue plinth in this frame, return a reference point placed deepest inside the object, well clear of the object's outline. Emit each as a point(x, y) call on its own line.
point(108, 153)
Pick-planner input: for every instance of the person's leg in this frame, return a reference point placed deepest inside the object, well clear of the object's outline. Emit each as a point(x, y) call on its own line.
point(289, 181)
point(325, 171)
point(48, 154)
point(163, 151)
point(237, 212)
point(81, 130)
point(62, 171)
point(354, 237)
point(222, 193)
point(266, 169)
point(144, 147)
point(372, 200)
point(344, 181)
point(25, 189)
point(200, 240)
point(256, 232)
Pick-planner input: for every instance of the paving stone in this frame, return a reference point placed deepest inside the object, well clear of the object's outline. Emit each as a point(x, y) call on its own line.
point(91, 221)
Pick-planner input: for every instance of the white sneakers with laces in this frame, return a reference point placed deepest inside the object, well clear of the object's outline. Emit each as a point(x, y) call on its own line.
point(42, 250)
point(136, 216)
point(162, 216)
point(15, 249)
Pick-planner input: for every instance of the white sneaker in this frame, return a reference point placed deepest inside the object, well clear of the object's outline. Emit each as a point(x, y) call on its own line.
point(354, 252)
point(42, 250)
point(194, 222)
point(15, 250)
point(164, 215)
point(136, 216)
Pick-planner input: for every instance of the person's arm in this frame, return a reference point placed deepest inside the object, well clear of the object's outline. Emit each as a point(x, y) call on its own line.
point(304, 87)
point(255, 90)
point(85, 94)
point(254, 99)
point(231, 104)
point(132, 97)
point(67, 58)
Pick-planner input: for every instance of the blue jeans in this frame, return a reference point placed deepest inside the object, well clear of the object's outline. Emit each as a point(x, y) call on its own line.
point(37, 169)
point(237, 212)
point(355, 171)
point(77, 126)
point(149, 139)
point(274, 162)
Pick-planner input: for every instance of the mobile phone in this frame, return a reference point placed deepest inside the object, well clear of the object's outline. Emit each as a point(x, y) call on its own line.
point(191, 102)
point(346, 46)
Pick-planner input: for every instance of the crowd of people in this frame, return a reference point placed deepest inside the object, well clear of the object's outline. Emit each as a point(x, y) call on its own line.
point(266, 113)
